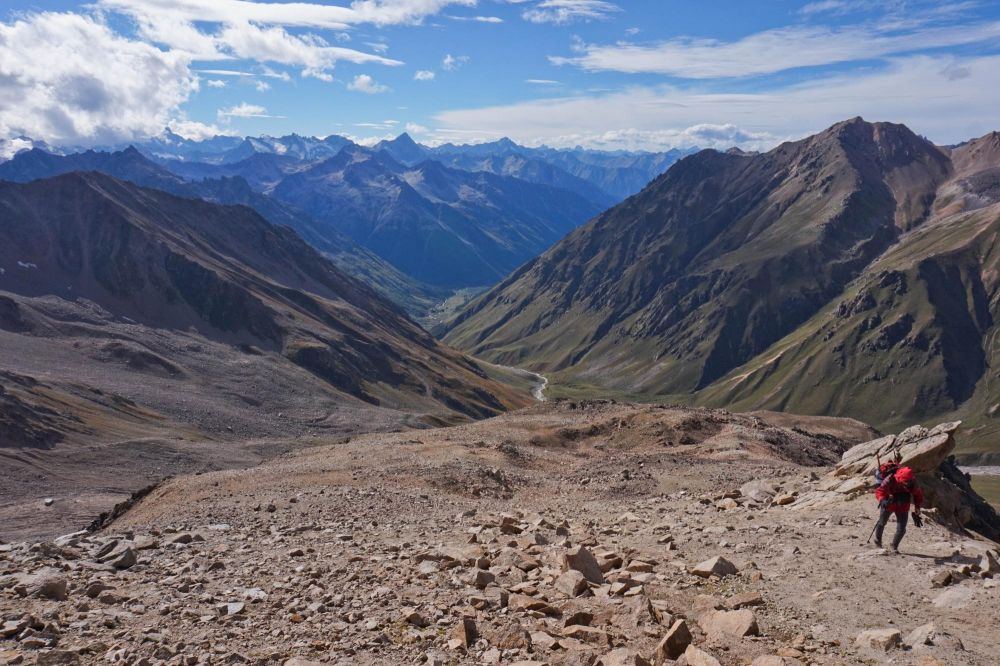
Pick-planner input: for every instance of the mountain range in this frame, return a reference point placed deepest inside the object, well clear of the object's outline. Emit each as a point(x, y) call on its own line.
point(849, 273)
point(129, 164)
point(416, 222)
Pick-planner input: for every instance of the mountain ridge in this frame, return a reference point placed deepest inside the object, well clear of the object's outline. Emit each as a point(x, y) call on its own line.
point(725, 255)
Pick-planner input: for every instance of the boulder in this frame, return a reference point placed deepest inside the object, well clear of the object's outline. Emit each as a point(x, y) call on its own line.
point(674, 642)
point(583, 560)
point(125, 560)
point(954, 598)
point(735, 624)
point(881, 640)
point(586, 634)
point(572, 583)
point(695, 657)
point(758, 491)
point(716, 566)
point(465, 632)
point(57, 658)
point(48, 586)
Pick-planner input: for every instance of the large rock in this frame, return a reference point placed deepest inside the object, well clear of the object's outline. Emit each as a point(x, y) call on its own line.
point(572, 583)
point(583, 560)
point(675, 642)
point(735, 624)
point(716, 566)
point(954, 598)
point(881, 640)
point(695, 657)
point(921, 449)
point(48, 586)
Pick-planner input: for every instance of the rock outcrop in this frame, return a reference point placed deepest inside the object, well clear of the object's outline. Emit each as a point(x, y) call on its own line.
point(948, 494)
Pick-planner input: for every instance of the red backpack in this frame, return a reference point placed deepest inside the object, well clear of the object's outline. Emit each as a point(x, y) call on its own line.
point(885, 470)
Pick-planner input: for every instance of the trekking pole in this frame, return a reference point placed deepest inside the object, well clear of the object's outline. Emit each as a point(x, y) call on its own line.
point(872, 534)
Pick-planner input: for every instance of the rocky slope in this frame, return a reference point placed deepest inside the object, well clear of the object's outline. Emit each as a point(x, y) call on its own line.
point(810, 279)
point(141, 331)
point(570, 533)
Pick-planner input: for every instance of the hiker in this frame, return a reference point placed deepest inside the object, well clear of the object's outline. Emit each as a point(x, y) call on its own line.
point(894, 494)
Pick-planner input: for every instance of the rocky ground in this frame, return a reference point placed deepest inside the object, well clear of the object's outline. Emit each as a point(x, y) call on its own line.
point(568, 533)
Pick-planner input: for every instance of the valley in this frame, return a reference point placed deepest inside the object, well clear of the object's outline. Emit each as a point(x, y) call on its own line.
point(238, 428)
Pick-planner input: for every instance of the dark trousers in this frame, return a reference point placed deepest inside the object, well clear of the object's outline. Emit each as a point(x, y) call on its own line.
point(901, 519)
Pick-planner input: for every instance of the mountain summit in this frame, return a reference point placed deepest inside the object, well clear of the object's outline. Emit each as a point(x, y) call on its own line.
point(676, 289)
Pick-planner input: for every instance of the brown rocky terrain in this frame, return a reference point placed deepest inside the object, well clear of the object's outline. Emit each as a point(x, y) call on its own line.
point(566, 533)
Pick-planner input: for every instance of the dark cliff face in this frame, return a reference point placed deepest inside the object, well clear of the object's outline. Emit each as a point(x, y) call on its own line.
point(176, 264)
point(697, 283)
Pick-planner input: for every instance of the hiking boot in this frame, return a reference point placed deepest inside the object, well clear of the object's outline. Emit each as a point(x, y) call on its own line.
point(878, 543)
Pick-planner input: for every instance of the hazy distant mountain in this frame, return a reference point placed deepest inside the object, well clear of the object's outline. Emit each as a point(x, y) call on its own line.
point(620, 174)
point(443, 226)
point(128, 164)
point(604, 176)
point(417, 298)
point(850, 273)
point(615, 174)
point(262, 170)
point(404, 150)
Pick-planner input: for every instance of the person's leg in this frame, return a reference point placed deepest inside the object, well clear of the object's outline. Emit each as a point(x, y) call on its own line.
point(901, 518)
point(883, 518)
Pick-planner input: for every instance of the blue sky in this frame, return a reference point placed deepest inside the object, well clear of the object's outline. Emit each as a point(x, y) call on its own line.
point(601, 73)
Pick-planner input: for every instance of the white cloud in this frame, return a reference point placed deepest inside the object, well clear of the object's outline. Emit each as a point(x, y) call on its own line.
point(223, 29)
point(478, 19)
point(274, 74)
point(542, 82)
point(244, 110)
point(772, 50)
point(423, 75)
point(68, 79)
point(366, 84)
point(215, 83)
point(566, 11)
point(450, 63)
point(223, 72)
point(275, 44)
point(297, 14)
point(945, 98)
point(384, 125)
point(195, 131)
point(414, 128)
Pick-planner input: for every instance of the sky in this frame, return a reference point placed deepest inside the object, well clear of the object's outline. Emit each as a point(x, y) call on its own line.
point(607, 74)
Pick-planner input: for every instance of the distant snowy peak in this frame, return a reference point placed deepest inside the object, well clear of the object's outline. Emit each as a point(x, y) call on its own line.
point(19, 144)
